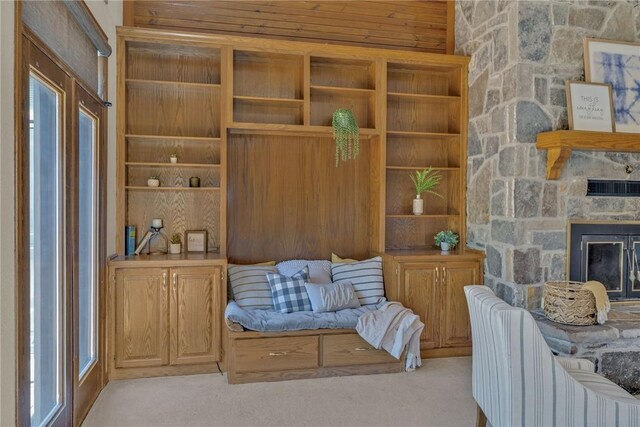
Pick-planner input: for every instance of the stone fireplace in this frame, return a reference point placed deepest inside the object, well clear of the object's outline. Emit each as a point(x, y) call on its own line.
point(608, 253)
point(522, 52)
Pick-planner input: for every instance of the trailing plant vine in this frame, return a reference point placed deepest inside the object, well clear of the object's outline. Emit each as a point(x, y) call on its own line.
point(346, 134)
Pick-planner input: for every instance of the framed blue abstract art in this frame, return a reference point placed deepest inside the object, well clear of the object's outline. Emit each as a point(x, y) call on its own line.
point(618, 64)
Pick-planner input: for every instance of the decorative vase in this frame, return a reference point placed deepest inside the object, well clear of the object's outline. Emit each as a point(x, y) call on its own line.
point(418, 205)
point(174, 248)
point(173, 159)
point(194, 181)
point(153, 182)
point(444, 246)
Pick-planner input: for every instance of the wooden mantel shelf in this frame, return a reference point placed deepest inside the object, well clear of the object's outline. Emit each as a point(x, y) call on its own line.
point(560, 143)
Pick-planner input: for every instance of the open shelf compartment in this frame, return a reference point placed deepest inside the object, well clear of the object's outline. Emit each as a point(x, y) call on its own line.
point(423, 79)
point(173, 63)
point(267, 75)
point(346, 73)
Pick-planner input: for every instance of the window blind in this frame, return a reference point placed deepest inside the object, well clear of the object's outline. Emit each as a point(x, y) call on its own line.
point(69, 30)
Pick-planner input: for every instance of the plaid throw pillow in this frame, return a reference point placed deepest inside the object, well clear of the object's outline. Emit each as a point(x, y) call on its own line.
point(289, 293)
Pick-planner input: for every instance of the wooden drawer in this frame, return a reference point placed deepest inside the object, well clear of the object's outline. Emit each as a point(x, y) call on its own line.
point(350, 349)
point(273, 354)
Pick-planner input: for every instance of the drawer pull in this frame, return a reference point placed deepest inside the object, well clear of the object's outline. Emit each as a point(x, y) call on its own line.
point(364, 349)
point(277, 353)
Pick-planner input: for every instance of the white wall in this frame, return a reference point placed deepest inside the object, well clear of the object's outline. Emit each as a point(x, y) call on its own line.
point(109, 16)
point(7, 218)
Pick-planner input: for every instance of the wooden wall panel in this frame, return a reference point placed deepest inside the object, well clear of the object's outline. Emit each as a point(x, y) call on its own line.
point(288, 200)
point(425, 26)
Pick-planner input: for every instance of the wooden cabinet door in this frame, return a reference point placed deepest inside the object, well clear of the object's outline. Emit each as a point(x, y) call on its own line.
point(141, 318)
point(456, 327)
point(195, 314)
point(419, 292)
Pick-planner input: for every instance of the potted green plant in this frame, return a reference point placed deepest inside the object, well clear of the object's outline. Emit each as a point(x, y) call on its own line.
point(446, 240)
point(176, 244)
point(153, 181)
point(425, 181)
point(346, 134)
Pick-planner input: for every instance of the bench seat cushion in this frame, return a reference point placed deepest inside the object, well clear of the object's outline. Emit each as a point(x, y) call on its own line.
point(272, 321)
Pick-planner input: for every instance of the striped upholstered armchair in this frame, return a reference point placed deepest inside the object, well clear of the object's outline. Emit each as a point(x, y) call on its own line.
point(518, 382)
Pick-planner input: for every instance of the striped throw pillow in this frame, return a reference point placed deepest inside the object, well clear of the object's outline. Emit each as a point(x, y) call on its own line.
point(250, 286)
point(366, 277)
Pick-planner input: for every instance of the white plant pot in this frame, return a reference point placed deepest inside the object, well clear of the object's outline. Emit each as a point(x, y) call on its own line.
point(445, 247)
point(174, 248)
point(418, 205)
point(153, 182)
point(173, 159)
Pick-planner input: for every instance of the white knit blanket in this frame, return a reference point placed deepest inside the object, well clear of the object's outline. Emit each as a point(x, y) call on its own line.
point(393, 328)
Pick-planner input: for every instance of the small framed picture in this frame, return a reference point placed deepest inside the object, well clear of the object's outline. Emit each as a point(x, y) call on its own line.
point(590, 106)
point(196, 241)
point(618, 64)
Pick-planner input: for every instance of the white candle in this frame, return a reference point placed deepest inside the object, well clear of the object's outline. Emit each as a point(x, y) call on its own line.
point(156, 223)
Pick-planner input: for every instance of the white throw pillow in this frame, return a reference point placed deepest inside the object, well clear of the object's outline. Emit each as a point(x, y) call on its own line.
point(332, 296)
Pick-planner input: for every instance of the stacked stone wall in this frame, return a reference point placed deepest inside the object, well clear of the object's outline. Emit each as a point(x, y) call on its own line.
point(522, 53)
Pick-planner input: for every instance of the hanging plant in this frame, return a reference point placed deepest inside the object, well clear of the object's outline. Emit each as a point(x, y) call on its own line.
point(347, 135)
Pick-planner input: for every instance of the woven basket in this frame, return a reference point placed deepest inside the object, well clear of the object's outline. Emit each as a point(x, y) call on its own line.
point(569, 303)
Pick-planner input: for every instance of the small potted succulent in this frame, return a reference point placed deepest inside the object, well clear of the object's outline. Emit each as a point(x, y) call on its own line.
point(446, 240)
point(173, 158)
point(153, 181)
point(176, 244)
point(425, 181)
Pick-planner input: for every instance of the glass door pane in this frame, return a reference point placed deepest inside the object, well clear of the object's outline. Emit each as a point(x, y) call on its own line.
point(87, 242)
point(46, 321)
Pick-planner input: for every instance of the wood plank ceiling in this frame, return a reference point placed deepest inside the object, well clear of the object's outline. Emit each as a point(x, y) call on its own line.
point(425, 26)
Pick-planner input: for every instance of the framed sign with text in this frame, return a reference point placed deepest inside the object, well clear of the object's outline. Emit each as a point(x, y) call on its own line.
point(590, 107)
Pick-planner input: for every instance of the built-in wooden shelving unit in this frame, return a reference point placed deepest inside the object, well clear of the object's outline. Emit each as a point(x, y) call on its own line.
point(559, 145)
point(262, 114)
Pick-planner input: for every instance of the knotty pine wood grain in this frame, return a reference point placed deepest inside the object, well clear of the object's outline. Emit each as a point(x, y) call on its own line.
point(410, 25)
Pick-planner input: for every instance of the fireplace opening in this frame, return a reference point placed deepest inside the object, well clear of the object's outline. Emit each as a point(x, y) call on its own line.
point(608, 253)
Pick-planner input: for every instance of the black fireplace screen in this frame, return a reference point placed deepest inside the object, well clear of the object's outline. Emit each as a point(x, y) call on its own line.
point(608, 253)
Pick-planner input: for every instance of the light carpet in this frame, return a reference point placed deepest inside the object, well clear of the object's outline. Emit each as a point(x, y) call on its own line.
point(437, 394)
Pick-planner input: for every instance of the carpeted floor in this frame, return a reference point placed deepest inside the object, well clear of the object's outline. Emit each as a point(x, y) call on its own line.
point(437, 394)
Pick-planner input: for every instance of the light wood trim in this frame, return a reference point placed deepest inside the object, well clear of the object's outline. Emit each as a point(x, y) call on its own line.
point(168, 137)
point(481, 418)
point(226, 113)
point(306, 90)
point(445, 352)
point(162, 371)
point(559, 145)
point(141, 188)
point(291, 47)
point(321, 372)
point(422, 134)
point(424, 97)
point(121, 140)
point(185, 259)
point(128, 13)
point(291, 130)
point(170, 83)
point(451, 26)
point(174, 165)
